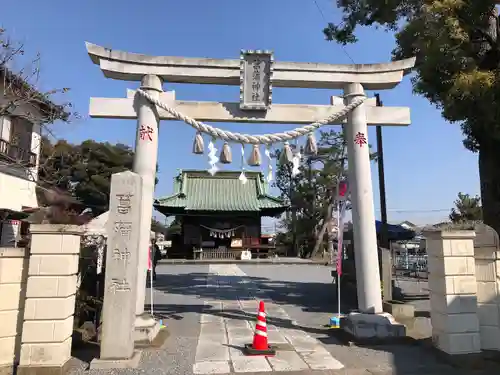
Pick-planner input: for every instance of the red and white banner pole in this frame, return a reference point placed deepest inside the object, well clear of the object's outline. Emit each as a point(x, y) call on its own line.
point(342, 194)
point(150, 268)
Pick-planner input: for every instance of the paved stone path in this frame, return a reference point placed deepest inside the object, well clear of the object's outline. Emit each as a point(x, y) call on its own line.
point(199, 301)
point(227, 324)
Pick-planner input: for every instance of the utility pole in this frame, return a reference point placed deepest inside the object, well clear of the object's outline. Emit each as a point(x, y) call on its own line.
point(384, 242)
point(385, 257)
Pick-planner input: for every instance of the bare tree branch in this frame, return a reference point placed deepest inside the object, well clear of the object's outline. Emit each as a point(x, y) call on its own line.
point(22, 101)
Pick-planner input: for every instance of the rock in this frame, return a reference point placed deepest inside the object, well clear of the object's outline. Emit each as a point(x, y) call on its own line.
point(88, 331)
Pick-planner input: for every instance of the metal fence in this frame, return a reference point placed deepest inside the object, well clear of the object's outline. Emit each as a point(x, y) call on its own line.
point(216, 253)
point(407, 262)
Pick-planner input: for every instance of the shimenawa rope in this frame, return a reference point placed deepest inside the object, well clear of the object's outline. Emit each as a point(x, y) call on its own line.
point(266, 139)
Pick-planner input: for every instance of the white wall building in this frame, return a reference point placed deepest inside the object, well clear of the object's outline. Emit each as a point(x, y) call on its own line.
point(19, 160)
point(22, 111)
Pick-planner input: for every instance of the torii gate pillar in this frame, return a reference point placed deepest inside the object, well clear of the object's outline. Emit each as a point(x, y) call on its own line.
point(145, 160)
point(363, 212)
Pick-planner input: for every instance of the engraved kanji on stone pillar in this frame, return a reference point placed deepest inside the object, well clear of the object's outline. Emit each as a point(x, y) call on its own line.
point(122, 257)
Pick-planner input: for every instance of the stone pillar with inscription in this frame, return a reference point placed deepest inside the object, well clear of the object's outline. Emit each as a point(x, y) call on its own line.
point(146, 150)
point(122, 258)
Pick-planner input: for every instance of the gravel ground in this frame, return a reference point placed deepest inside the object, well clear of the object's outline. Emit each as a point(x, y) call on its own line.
point(304, 291)
point(180, 310)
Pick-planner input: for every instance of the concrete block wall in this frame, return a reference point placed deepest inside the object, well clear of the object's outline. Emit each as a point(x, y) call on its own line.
point(453, 291)
point(50, 297)
point(488, 296)
point(13, 274)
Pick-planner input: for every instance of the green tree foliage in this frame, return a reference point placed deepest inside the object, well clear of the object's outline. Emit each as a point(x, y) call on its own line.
point(466, 208)
point(311, 194)
point(158, 227)
point(174, 228)
point(457, 46)
point(83, 170)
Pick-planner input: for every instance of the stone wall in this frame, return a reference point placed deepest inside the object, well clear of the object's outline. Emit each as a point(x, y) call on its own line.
point(453, 288)
point(488, 303)
point(464, 283)
point(487, 258)
point(37, 303)
point(50, 297)
point(13, 273)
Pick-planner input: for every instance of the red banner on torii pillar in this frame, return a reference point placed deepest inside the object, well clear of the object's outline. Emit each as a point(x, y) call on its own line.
point(150, 263)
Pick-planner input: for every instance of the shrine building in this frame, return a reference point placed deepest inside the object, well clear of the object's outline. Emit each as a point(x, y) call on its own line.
point(219, 214)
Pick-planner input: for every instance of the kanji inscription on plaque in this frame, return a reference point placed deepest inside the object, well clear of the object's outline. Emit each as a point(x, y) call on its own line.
point(256, 80)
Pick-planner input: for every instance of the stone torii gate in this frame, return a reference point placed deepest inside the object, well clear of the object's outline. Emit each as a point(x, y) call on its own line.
point(153, 71)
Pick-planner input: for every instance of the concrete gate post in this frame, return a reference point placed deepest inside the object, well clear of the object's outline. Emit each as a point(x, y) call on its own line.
point(453, 291)
point(13, 276)
point(50, 299)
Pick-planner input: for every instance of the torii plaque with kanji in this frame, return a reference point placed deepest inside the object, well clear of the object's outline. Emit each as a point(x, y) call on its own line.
point(256, 80)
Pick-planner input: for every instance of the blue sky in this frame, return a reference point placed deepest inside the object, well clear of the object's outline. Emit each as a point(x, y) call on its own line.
point(426, 164)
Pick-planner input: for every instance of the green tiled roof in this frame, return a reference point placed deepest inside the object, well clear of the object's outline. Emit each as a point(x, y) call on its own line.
point(199, 191)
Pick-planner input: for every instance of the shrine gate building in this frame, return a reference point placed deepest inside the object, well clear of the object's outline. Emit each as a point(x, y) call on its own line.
point(219, 212)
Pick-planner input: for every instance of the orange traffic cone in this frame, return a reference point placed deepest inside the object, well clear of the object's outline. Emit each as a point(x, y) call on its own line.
point(260, 345)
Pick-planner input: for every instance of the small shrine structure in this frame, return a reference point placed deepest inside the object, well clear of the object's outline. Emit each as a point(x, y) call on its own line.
point(218, 212)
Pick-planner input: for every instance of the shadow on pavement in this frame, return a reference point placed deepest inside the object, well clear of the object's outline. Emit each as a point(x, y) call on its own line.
point(395, 359)
point(414, 357)
point(310, 296)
